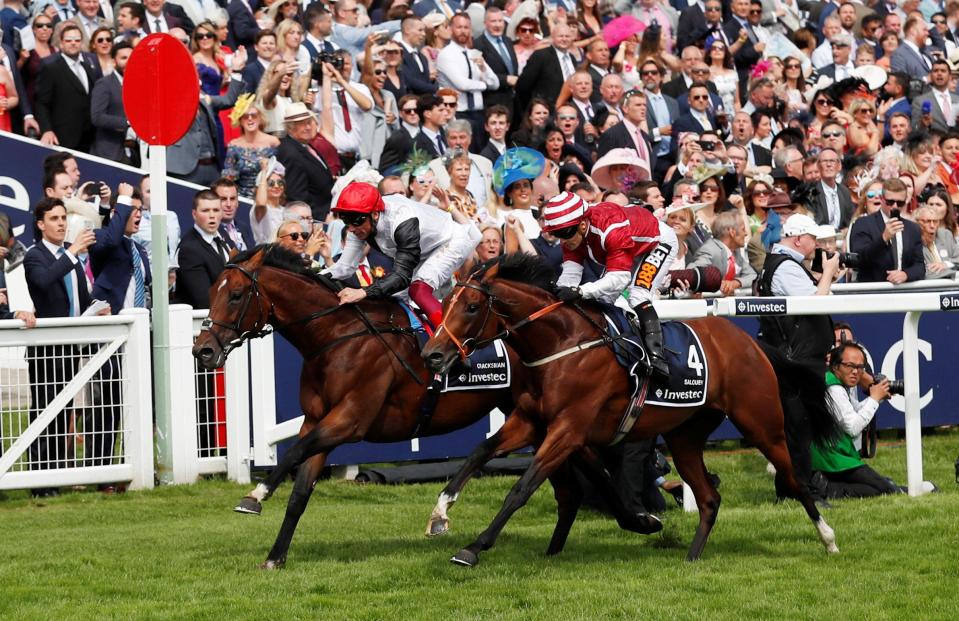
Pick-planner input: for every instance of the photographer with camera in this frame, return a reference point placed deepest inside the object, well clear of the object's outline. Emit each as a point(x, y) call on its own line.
point(889, 247)
point(847, 476)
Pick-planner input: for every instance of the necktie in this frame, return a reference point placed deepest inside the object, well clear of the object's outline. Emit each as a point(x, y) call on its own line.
point(947, 109)
point(704, 121)
point(221, 248)
point(641, 145)
point(589, 113)
point(68, 283)
point(66, 12)
point(139, 290)
point(750, 33)
point(568, 69)
point(327, 47)
point(313, 152)
point(234, 234)
point(441, 142)
point(470, 97)
point(81, 74)
point(88, 271)
point(730, 268)
point(347, 124)
point(505, 54)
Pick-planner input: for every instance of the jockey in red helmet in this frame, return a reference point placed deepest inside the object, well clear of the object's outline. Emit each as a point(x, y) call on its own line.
point(426, 244)
point(627, 243)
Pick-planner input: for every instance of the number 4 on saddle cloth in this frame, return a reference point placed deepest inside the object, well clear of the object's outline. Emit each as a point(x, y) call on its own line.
point(688, 371)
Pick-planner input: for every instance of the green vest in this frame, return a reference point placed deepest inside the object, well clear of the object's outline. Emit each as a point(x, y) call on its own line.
point(841, 457)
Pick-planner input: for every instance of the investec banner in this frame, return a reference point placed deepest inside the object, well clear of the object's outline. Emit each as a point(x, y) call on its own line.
point(21, 180)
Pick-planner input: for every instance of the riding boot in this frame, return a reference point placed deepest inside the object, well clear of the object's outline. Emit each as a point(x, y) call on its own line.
point(653, 337)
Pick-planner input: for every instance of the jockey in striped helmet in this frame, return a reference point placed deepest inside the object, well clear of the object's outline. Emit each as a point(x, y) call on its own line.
point(626, 242)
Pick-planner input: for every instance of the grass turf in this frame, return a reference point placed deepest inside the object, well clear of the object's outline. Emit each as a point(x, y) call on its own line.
point(360, 553)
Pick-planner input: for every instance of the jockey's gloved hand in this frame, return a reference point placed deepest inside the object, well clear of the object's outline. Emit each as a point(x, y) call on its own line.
point(568, 294)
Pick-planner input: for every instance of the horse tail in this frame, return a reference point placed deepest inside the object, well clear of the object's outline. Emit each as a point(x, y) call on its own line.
point(806, 379)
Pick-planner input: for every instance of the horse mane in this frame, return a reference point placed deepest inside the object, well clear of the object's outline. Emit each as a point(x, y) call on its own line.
point(521, 267)
point(279, 257)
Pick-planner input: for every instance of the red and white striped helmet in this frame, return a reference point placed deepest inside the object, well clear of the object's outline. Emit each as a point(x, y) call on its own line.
point(563, 211)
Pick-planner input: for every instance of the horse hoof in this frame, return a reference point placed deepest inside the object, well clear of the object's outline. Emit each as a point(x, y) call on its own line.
point(465, 558)
point(438, 526)
point(271, 565)
point(250, 505)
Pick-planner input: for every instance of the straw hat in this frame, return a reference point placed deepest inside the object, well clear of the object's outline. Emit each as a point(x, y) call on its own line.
point(297, 111)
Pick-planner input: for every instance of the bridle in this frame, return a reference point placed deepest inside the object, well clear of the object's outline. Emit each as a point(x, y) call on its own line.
point(470, 344)
point(261, 327)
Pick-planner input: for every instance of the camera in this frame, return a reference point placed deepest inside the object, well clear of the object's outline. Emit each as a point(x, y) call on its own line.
point(316, 71)
point(895, 386)
point(846, 259)
point(707, 145)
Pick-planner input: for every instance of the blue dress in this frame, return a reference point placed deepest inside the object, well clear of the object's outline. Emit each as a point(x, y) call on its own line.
point(242, 164)
point(211, 81)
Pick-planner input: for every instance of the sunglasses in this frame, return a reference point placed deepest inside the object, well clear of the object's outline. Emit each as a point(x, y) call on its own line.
point(102, 40)
point(379, 72)
point(71, 40)
point(866, 110)
point(823, 102)
point(873, 194)
point(354, 219)
point(939, 22)
point(894, 202)
point(831, 135)
point(649, 72)
point(276, 183)
point(709, 188)
point(700, 71)
point(409, 110)
point(710, 9)
point(755, 12)
point(204, 35)
point(566, 117)
point(526, 29)
point(47, 25)
point(761, 192)
point(392, 51)
point(792, 66)
point(449, 104)
point(566, 233)
point(298, 236)
point(699, 97)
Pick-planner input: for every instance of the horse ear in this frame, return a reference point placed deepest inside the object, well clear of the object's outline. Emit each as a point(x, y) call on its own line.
point(467, 268)
point(491, 272)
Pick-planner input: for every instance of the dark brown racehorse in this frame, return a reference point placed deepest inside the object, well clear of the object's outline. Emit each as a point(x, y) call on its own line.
point(362, 379)
point(578, 399)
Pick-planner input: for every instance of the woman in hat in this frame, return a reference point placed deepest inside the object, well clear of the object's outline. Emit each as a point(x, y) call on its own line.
point(244, 154)
point(438, 35)
point(922, 164)
point(619, 170)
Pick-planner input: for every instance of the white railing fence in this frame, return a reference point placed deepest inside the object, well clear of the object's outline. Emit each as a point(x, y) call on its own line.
point(76, 404)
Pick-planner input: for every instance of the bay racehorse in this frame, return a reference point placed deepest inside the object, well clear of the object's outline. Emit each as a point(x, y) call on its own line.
point(579, 394)
point(362, 377)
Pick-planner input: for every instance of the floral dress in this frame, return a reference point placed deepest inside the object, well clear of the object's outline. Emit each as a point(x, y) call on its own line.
point(242, 164)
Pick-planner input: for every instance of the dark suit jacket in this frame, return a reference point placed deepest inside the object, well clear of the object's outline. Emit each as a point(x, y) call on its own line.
point(252, 74)
point(175, 16)
point(111, 260)
point(691, 28)
point(878, 257)
point(182, 156)
point(243, 27)
point(903, 106)
point(688, 123)
point(617, 137)
point(490, 152)
point(422, 143)
point(676, 88)
point(417, 82)
point(596, 97)
point(746, 57)
point(762, 156)
point(62, 105)
point(307, 179)
point(44, 273)
point(200, 265)
point(109, 119)
point(821, 212)
point(503, 95)
point(396, 150)
point(542, 77)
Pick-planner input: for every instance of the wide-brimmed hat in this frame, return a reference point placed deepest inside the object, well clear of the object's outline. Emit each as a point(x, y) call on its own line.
point(639, 168)
point(297, 111)
point(515, 164)
point(778, 198)
point(706, 171)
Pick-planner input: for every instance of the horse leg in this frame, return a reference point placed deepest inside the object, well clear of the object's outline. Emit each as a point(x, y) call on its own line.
point(592, 466)
point(306, 478)
point(515, 434)
point(569, 498)
point(297, 454)
point(555, 449)
point(771, 442)
point(686, 442)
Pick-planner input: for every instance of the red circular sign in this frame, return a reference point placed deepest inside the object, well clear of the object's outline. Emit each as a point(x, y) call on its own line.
point(161, 89)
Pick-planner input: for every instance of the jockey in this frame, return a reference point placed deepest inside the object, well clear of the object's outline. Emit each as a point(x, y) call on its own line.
point(426, 244)
point(629, 244)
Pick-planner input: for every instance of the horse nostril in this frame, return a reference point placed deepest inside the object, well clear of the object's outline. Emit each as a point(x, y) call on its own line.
point(205, 353)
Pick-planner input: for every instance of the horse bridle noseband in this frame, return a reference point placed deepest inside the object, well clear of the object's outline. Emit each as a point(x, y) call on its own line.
point(261, 327)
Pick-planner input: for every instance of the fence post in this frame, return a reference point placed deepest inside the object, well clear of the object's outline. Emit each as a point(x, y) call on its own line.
point(237, 375)
point(182, 395)
point(139, 407)
point(910, 376)
point(263, 390)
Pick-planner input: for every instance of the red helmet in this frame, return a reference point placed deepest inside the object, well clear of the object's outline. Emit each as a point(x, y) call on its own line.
point(359, 197)
point(563, 211)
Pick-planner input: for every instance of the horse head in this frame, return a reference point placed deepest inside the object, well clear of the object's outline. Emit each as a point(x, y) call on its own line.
point(239, 309)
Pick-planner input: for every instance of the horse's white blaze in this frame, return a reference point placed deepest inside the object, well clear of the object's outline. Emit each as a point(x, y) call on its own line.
point(222, 284)
point(827, 536)
point(260, 492)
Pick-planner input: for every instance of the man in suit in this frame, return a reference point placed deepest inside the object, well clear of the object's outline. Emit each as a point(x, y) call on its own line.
point(841, 66)
point(420, 75)
point(243, 26)
point(699, 118)
point(910, 57)
point(629, 133)
point(497, 124)
point(725, 252)
point(265, 47)
point(121, 272)
point(698, 22)
point(131, 19)
point(318, 28)
point(661, 112)
point(308, 178)
point(742, 135)
point(739, 31)
point(597, 63)
point(692, 71)
point(202, 252)
point(942, 103)
point(398, 145)
point(611, 95)
point(500, 56)
point(236, 236)
point(88, 20)
point(939, 248)
point(897, 90)
point(547, 69)
point(890, 249)
point(570, 123)
point(195, 156)
point(58, 288)
point(106, 109)
point(163, 16)
point(832, 204)
point(63, 94)
point(431, 139)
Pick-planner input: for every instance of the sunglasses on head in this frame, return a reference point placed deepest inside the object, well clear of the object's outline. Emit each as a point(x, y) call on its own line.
point(567, 232)
point(894, 203)
point(353, 219)
point(296, 236)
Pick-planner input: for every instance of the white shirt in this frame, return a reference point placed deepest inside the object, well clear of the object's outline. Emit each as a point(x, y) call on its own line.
point(145, 234)
point(852, 414)
point(434, 137)
point(885, 219)
point(499, 146)
point(455, 71)
point(55, 250)
point(566, 63)
point(347, 141)
point(152, 22)
point(76, 66)
point(915, 48)
point(211, 238)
